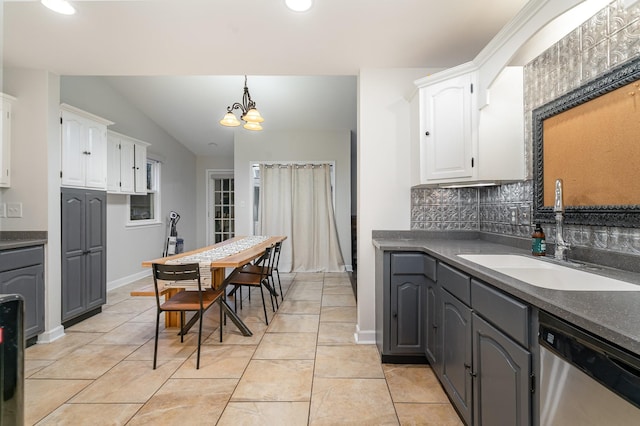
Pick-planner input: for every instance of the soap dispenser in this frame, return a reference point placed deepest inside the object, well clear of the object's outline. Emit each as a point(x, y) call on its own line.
point(538, 244)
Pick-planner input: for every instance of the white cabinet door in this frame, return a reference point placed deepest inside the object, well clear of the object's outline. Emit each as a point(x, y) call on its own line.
point(84, 149)
point(113, 163)
point(447, 135)
point(73, 149)
point(5, 143)
point(96, 155)
point(141, 168)
point(127, 165)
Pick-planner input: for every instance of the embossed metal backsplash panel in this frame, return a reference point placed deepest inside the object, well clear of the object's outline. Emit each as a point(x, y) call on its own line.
point(609, 38)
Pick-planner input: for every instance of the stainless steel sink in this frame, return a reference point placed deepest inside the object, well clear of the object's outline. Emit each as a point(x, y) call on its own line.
point(541, 273)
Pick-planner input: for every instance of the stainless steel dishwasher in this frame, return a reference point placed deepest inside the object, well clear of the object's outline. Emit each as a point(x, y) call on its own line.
point(585, 380)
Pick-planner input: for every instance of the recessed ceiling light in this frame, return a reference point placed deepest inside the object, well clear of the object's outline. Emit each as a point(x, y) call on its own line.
point(60, 6)
point(299, 5)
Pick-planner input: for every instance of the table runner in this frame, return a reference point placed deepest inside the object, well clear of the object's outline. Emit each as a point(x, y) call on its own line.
point(205, 258)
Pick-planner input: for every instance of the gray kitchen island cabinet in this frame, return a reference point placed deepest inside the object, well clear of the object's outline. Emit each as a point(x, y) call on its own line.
point(401, 303)
point(22, 272)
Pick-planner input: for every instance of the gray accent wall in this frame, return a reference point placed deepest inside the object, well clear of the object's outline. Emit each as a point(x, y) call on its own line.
point(609, 38)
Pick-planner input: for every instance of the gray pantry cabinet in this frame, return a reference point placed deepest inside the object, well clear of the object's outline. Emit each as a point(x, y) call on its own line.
point(84, 253)
point(22, 272)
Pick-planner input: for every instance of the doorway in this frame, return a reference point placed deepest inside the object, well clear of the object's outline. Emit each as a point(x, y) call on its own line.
point(220, 206)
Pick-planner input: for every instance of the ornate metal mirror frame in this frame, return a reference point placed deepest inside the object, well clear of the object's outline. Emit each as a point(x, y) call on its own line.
point(597, 215)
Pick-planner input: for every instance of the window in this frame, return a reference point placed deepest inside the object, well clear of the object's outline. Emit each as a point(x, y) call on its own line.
point(144, 208)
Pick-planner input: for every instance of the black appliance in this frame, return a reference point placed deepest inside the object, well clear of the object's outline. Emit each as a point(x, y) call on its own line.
point(11, 360)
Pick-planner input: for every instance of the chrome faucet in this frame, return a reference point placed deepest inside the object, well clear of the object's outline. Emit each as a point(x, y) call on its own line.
point(558, 207)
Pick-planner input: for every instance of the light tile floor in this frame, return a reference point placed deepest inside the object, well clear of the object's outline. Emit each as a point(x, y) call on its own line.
point(303, 369)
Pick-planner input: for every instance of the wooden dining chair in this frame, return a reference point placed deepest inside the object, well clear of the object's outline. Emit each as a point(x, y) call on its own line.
point(195, 300)
point(239, 279)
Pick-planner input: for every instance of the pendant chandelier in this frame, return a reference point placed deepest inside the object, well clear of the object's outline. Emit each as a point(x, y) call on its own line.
point(250, 114)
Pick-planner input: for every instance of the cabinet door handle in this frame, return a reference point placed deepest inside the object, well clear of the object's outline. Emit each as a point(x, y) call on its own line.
point(86, 252)
point(395, 315)
point(427, 133)
point(86, 152)
point(468, 367)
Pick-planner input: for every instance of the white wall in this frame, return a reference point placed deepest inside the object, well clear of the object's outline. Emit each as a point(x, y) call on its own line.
point(35, 180)
point(384, 172)
point(295, 145)
point(204, 163)
point(128, 247)
point(28, 149)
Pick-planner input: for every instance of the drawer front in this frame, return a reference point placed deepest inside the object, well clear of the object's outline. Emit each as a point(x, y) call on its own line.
point(21, 258)
point(456, 282)
point(508, 314)
point(412, 263)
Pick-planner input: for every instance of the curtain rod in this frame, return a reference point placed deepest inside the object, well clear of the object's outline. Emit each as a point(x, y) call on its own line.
point(298, 165)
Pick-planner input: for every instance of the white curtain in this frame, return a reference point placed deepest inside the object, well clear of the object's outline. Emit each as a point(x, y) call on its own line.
point(296, 201)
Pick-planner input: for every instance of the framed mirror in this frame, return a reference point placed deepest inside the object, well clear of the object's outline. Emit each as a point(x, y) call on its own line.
point(590, 138)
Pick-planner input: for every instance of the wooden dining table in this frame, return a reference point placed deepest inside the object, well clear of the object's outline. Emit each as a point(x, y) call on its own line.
point(217, 267)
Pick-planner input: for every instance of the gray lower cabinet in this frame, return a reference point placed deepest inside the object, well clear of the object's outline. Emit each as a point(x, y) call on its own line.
point(433, 327)
point(486, 362)
point(455, 370)
point(84, 253)
point(22, 272)
point(401, 305)
point(502, 371)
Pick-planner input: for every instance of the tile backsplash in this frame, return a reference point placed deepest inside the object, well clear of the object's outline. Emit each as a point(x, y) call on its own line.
point(609, 38)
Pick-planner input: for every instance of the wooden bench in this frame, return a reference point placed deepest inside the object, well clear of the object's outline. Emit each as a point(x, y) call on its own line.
point(171, 319)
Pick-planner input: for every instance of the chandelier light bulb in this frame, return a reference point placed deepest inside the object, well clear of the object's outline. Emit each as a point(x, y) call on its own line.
point(230, 120)
point(252, 126)
point(253, 116)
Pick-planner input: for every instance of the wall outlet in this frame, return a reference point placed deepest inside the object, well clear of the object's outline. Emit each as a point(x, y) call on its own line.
point(14, 209)
point(3, 210)
point(524, 214)
point(513, 215)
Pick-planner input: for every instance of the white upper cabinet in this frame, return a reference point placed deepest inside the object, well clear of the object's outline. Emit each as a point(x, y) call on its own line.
point(447, 129)
point(477, 137)
point(126, 165)
point(461, 144)
point(84, 149)
point(5, 142)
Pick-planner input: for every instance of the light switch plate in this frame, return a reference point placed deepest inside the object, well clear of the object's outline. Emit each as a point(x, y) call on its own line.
point(14, 209)
point(513, 215)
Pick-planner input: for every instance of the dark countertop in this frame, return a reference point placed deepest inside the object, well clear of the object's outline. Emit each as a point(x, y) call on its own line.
point(17, 239)
point(612, 315)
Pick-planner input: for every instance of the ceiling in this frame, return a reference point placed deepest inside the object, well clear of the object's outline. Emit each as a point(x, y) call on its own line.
point(181, 61)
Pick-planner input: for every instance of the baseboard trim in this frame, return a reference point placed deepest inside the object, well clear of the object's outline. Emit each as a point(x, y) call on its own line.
point(51, 335)
point(112, 285)
point(365, 337)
